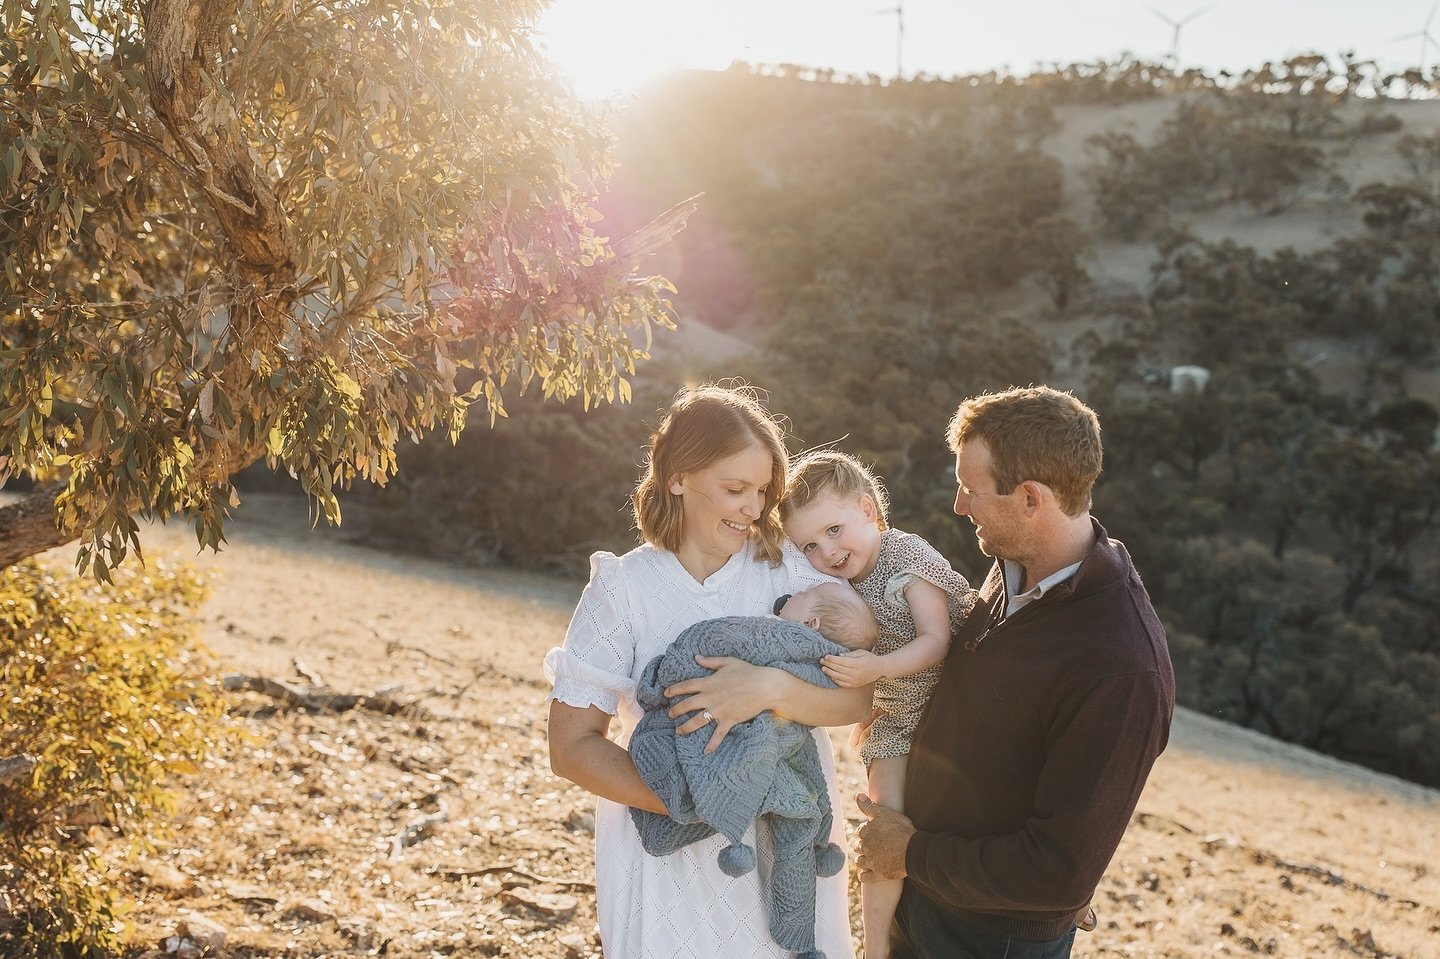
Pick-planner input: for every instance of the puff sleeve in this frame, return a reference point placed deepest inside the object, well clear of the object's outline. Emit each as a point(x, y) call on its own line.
point(594, 666)
point(917, 559)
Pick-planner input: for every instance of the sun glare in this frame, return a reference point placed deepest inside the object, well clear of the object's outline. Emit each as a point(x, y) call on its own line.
point(611, 49)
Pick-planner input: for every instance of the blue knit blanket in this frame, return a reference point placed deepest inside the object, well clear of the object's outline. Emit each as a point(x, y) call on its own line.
point(767, 771)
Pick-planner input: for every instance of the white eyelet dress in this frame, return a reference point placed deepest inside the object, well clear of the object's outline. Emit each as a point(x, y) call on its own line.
point(680, 906)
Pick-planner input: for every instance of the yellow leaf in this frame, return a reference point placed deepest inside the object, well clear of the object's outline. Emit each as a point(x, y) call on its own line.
point(347, 386)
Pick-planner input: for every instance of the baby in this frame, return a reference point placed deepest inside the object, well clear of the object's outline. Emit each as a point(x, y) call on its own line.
point(767, 771)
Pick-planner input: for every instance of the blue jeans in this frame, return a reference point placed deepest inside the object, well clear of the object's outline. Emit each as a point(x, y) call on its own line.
point(929, 932)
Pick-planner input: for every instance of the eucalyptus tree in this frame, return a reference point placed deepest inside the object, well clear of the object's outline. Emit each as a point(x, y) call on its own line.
point(296, 229)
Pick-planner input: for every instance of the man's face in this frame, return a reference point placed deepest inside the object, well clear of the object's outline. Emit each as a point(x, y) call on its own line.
point(998, 517)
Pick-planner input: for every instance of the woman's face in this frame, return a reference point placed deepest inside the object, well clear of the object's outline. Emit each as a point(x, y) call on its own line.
point(722, 501)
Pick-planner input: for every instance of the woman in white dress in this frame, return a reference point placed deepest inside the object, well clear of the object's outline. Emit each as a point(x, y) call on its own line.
point(706, 508)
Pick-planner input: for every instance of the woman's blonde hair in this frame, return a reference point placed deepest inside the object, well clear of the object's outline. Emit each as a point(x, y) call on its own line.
point(831, 471)
point(705, 424)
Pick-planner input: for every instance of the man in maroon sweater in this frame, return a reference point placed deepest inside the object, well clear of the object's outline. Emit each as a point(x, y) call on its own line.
point(1054, 702)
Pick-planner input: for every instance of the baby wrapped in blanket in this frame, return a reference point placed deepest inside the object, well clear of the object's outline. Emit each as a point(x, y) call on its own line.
point(766, 771)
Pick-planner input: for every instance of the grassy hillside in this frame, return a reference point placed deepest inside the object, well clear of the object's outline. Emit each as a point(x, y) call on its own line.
point(871, 254)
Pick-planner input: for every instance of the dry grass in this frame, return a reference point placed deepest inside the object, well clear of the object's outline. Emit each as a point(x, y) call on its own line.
point(1242, 846)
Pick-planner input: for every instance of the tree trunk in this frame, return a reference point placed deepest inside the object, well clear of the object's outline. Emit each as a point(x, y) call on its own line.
point(28, 527)
point(184, 44)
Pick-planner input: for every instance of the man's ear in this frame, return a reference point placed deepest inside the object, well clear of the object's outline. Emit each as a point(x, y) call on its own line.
point(1035, 495)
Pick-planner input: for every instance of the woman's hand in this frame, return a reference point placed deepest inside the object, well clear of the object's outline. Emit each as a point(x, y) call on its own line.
point(859, 667)
point(735, 692)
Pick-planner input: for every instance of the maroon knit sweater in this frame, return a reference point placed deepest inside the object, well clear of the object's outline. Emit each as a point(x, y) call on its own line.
point(1031, 756)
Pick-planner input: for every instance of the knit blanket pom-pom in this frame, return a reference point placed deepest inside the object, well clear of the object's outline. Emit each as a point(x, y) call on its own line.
point(810, 954)
point(829, 860)
point(737, 860)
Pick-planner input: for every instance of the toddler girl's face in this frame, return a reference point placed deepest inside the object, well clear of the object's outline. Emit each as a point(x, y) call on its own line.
point(838, 533)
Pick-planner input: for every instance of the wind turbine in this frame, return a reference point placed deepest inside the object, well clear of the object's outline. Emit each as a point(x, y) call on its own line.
point(1427, 39)
point(1177, 24)
point(899, 11)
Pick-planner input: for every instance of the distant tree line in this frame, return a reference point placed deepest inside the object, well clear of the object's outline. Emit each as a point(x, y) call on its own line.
point(1126, 77)
point(893, 248)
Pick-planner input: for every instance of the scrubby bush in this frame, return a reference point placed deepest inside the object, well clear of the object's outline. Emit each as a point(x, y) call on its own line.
point(1377, 124)
point(1129, 197)
point(546, 487)
point(102, 700)
point(1222, 148)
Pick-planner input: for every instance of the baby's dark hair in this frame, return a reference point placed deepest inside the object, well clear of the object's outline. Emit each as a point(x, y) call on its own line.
point(831, 471)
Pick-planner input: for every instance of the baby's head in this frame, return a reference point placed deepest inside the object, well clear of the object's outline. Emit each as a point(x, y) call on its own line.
point(834, 611)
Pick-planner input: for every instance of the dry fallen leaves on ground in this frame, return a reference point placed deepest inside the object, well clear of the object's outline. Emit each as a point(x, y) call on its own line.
point(439, 830)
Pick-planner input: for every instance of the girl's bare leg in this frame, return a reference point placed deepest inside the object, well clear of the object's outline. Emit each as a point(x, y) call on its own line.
point(878, 900)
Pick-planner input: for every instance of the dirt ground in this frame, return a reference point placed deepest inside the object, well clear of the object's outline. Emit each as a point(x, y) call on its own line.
point(440, 831)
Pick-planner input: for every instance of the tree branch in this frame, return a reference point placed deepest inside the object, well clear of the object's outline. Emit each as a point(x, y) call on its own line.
point(13, 767)
point(28, 527)
point(322, 700)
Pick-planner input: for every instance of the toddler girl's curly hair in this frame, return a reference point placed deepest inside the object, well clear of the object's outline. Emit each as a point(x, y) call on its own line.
point(831, 471)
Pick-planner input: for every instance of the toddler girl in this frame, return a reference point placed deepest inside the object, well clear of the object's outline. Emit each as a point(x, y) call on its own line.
point(834, 510)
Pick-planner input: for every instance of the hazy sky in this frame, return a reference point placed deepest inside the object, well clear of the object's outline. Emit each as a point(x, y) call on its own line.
point(615, 45)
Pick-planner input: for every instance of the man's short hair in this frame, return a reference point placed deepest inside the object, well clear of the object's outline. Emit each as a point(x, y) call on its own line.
point(1035, 433)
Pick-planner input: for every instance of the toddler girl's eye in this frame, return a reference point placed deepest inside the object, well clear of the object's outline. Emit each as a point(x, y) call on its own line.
point(808, 548)
point(833, 530)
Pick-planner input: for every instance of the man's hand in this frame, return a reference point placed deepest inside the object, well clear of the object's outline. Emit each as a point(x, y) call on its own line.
point(859, 667)
point(883, 841)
